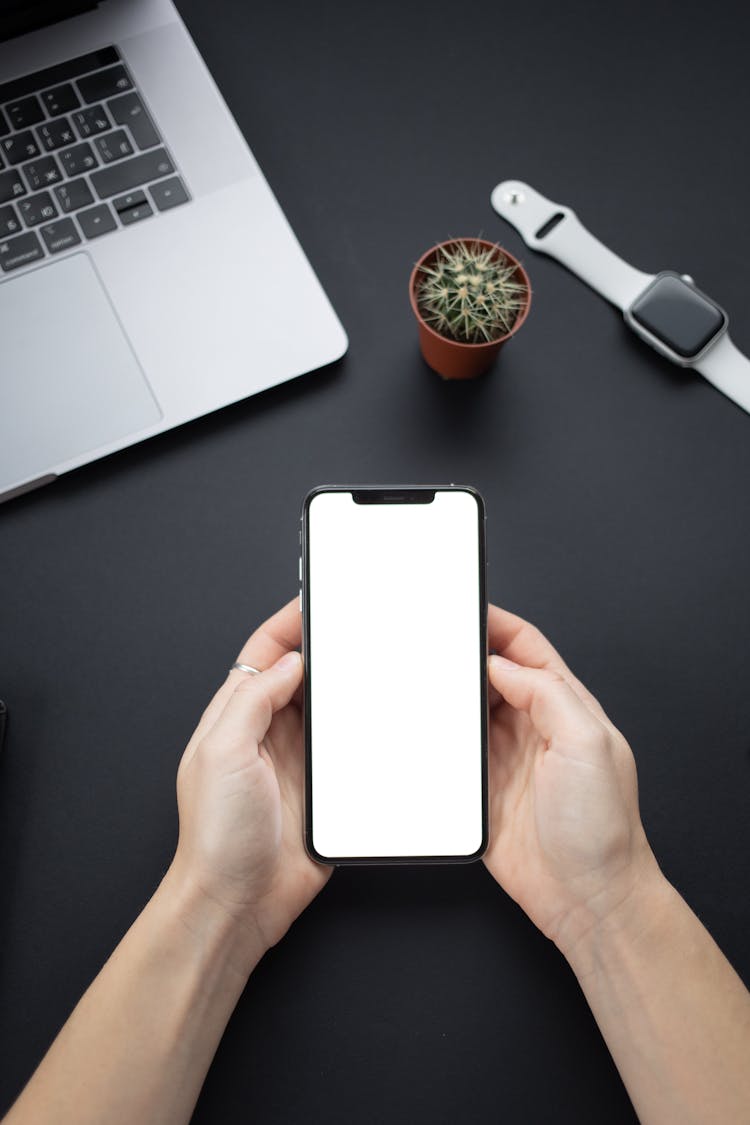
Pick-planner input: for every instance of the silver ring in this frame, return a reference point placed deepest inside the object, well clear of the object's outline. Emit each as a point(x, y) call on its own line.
point(245, 668)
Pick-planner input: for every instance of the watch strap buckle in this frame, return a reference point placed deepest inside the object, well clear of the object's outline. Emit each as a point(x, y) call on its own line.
point(556, 230)
point(531, 213)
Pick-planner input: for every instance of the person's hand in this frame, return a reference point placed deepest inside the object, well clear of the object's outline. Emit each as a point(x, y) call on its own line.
point(566, 838)
point(240, 791)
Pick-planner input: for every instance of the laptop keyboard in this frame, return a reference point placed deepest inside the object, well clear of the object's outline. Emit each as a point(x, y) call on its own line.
point(80, 157)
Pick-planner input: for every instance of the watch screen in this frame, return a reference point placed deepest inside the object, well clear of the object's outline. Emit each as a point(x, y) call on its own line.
point(678, 315)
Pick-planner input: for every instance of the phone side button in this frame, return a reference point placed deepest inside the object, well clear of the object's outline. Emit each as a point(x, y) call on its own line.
point(300, 601)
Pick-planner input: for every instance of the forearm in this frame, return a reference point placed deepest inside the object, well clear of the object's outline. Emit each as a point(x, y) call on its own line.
point(138, 1045)
point(674, 1014)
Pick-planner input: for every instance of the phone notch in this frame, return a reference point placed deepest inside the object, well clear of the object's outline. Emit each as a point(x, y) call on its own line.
point(393, 495)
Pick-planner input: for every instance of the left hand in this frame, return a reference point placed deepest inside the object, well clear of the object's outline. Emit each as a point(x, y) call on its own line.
point(240, 791)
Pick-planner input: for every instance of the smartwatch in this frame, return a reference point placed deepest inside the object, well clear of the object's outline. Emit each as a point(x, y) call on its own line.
point(665, 309)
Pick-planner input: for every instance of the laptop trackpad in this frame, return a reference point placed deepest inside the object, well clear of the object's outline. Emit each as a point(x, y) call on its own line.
point(71, 382)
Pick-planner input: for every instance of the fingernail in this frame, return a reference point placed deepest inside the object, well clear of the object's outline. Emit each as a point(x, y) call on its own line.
point(502, 662)
point(288, 661)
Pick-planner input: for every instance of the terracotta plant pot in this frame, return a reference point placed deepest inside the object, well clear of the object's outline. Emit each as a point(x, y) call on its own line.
point(451, 358)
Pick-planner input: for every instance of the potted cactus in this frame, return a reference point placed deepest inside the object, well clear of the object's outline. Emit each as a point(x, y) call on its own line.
point(469, 296)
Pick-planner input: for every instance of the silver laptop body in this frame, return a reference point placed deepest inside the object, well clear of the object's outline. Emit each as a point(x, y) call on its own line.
point(198, 296)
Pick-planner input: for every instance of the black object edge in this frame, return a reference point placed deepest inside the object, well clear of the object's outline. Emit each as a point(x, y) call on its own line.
point(21, 16)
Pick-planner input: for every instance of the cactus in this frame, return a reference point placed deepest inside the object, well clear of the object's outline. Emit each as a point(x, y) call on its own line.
point(470, 293)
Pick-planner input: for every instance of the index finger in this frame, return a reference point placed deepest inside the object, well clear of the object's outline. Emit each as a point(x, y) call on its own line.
point(520, 641)
point(281, 633)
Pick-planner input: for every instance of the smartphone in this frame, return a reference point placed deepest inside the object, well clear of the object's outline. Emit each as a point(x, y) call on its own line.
point(395, 652)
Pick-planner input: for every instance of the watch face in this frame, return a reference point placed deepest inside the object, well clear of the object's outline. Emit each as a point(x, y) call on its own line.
point(678, 315)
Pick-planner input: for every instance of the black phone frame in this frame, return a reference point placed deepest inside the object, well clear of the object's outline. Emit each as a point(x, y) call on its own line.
point(414, 494)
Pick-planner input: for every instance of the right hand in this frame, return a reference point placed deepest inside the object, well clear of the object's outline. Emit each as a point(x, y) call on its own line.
point(566, 837)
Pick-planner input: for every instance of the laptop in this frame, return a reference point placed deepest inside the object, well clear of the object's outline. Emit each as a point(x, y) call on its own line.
point(147, 274)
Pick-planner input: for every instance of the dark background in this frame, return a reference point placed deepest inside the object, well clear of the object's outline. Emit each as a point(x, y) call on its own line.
point(616, 490)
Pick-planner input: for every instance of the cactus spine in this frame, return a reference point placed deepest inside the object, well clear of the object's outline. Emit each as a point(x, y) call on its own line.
point(470, 293)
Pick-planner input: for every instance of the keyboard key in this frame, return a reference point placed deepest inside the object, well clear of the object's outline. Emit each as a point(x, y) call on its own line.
point(37, 208)
point(55, 134)
point(11, 186)
point(131, 173)
point(91, 121)
point(15, 252)
point(62, 72)
point(4, 126)
point(60, 236)
point(42, 173)
point(169, 193)
point(24, 112)
point(9, 221)
point(132, 199)
point(96, 221)
point(72, 195)
point(19, 146)
point(114, 146)
point(135, 214)
point(129, 110)
point(103, 84)
point(78, 159)
point(61, 100)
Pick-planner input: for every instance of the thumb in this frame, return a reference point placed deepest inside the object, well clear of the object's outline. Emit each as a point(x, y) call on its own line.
point(547, 698)
point(254, 701)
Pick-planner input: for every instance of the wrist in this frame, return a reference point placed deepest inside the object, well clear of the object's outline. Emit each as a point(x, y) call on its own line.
point(596, 939)
point(216, 934)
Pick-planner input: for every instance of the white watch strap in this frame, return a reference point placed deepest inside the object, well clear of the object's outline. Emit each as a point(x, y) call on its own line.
point(568, 241)
point(728, 370)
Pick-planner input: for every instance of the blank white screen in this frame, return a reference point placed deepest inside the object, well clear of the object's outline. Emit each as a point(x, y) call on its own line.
point(395, 676)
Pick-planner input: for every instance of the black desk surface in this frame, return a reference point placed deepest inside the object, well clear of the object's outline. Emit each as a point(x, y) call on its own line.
point(617, 496)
